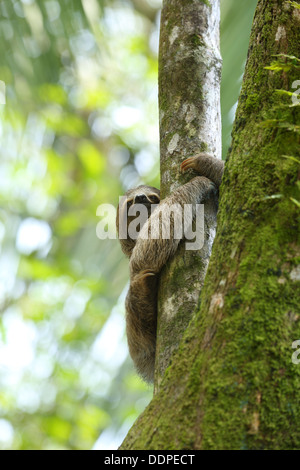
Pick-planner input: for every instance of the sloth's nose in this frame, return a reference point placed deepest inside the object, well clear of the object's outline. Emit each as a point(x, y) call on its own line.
point(140, 199)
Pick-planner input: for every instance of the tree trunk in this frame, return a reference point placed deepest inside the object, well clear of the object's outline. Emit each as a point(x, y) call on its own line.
point(189, 106)
point(232, 383)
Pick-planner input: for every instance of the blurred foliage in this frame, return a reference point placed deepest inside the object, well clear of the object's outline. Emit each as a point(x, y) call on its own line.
point(79, 127)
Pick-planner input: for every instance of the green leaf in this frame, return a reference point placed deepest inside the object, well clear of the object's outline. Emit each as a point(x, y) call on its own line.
point(294, 4)
point(295, 201)
point(30, 268)
point(58, 428)
point(68, 224)
point(91, 158)
point(291, 158)
point(51, 92)
point(284, 93)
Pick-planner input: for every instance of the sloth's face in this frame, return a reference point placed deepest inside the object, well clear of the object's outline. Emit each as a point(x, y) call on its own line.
point(143, 195)
point(135, 208)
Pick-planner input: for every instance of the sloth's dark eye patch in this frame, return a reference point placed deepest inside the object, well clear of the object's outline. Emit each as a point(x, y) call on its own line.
point(129, 203)
point(154, 199)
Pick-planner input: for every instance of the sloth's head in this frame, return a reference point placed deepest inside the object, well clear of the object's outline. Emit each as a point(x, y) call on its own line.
point(130, 209)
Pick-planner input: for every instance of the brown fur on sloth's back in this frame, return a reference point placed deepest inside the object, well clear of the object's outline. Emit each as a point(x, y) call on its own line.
point(148, 256)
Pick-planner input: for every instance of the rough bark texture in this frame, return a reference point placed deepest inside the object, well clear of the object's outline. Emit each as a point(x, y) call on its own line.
point(189, 106)
point(232, 384)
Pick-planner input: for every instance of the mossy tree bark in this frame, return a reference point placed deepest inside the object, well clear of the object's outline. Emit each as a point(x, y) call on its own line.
point(232, 383)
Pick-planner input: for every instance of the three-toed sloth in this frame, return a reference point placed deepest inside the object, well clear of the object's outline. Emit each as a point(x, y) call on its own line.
point(149, 250)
